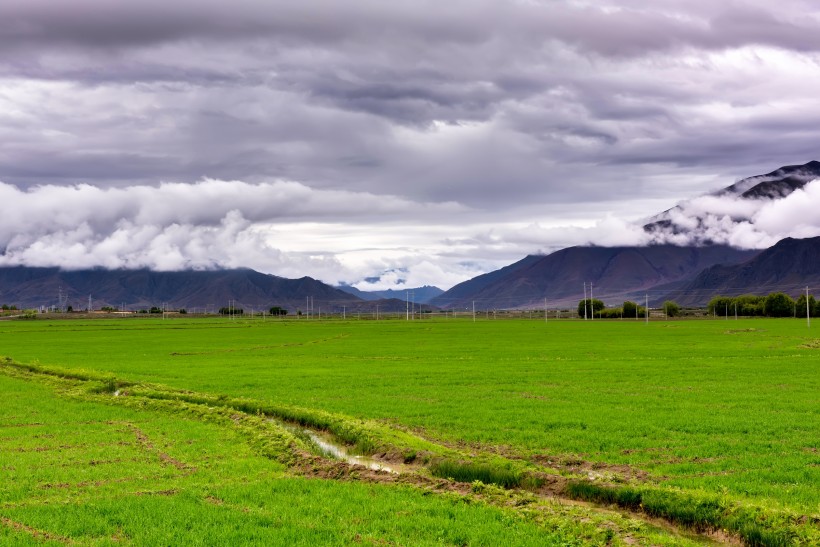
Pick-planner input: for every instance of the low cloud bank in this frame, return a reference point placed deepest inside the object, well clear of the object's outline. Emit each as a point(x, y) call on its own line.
point(745, 223)
point(375, 242)
point(175, 226)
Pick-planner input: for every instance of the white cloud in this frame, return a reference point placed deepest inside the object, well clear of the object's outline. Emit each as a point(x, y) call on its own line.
point(745, 223)
point(290, 230)
point(176, 226)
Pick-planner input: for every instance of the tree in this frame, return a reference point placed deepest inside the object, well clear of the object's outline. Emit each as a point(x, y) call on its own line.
point(749, 305)
point(610, 313)
point(778, 304)
point(630, 309)
point(801, 306)
point(671, 308)
point(591, 305)
point(231, 311)
point(278, 310)
point(720, 305)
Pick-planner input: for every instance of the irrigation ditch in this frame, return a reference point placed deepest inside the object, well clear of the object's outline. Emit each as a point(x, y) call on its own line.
point(316, 443)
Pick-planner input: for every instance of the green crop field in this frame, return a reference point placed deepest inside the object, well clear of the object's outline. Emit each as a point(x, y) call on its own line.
point(619, 432)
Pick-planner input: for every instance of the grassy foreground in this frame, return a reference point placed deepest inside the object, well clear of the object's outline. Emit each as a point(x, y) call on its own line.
point(78, 466)
point(716, 415)
point(87, 472)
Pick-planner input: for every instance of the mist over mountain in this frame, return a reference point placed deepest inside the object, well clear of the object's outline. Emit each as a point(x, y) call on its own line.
point(694, 250)
point(755, 212)
point(690, 252)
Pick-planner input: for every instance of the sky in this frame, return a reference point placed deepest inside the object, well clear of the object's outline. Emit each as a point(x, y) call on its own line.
point(389, 144)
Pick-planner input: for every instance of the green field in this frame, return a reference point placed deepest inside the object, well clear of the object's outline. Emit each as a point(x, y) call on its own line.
point(703, 425)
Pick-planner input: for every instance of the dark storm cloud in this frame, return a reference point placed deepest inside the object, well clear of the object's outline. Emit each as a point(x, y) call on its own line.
point(614, 29)
point(499, 105)
point(101, 23)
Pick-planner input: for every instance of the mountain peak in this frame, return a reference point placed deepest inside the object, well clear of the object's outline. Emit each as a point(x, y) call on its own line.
point(777, 184)
point(711, 218)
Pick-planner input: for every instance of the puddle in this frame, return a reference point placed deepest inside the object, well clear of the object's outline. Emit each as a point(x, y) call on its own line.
point(340, 453)
point(337, 451)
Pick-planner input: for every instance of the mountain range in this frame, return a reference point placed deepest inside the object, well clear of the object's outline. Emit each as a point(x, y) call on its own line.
point(206, 290)
point(612, 274)
point(689, 273)
point(419, 295)
point(789, 266)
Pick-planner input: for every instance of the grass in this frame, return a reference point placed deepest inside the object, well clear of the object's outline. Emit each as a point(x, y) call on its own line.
point(695, 510)
point(74, 470)
point(706, 408)
point(470, 472)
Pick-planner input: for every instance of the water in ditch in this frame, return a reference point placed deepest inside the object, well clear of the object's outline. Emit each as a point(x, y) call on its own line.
point(327, 445)
point(340, 453)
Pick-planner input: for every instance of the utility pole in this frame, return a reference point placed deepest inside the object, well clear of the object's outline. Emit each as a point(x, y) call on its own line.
point(808, 310)
point(585, 300)
point(546, 314)
point(473, 311)
point(647, 309)
point(591, 303)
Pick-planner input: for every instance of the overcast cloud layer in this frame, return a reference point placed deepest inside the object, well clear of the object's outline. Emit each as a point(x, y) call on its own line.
point(429, 140)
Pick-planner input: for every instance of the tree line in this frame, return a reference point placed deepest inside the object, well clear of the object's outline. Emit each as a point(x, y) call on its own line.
point(275, 310)
point(592, 306)
point(776, 304)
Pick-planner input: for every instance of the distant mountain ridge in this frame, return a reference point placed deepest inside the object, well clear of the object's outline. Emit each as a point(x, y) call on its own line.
point(789, 266)
point(419, 295)
point(616, 273)
point(777, 184)
point(41, 287)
